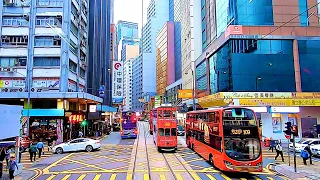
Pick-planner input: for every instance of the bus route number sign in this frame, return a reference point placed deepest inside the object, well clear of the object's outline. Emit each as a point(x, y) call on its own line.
point(240, 131)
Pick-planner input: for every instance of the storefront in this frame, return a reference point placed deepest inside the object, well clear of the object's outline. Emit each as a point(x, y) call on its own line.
point(73, 124)
point(45, 124)
point(274, 109)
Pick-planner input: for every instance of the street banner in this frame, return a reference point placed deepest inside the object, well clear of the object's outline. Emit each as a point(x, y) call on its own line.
point(117, 82)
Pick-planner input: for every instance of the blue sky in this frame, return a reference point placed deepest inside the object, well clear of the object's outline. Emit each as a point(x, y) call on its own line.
point(130, 10)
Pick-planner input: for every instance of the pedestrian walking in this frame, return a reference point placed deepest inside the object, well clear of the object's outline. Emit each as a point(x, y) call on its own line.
point(8, 152)
point(279, 151)
point(12, 167)
point(33, 152)
point(308, 149)
point(40, 147)
point(80, 134)
point(2, 157)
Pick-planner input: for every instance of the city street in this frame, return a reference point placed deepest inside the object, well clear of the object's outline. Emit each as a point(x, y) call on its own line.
point(134, 159)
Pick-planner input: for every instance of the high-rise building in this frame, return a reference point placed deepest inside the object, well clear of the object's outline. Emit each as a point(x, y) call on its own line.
point(127, 29)
point(44, 59)
point(190, 39)
point(262, 46)
point(99, 74)
point(144, 67)
point(165, 58)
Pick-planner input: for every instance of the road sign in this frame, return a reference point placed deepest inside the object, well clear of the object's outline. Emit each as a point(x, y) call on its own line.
point(287, 136)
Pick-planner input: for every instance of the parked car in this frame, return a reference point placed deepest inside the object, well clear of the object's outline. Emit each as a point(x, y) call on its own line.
point(79, 144)
point(181, 131)
point(302, 144)
point(315, 149)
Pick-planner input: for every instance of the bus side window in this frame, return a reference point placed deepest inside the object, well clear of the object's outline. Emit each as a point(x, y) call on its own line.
point(217, 117)
point(159, 112)
point(211, 117)
point(167, 132)
point(173, 132)
point(205, 117)
point(161, 132)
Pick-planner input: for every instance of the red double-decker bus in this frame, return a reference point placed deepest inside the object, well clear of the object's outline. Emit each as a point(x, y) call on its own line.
point(165, 128)
point(228, 138)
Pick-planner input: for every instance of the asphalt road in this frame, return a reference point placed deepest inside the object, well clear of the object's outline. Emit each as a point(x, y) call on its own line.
point(136, 159)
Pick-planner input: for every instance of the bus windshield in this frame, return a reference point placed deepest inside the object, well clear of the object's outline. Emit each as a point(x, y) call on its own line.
point(242, 149)
point(239, 117)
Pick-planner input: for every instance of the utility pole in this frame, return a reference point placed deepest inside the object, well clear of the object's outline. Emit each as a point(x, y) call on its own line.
point(32, 22)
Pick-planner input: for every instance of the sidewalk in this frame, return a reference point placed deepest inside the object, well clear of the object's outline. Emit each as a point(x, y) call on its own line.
point(303, 171)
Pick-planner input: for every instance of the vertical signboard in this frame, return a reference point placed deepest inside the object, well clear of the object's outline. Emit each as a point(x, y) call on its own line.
point(117, 82)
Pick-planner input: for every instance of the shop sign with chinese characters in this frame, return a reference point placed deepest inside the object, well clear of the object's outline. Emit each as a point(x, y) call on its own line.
point(76, 118)
point(279, 102)
point(117, 80)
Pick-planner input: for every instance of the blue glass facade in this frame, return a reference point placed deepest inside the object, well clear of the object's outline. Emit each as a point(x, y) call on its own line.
point(309, 57)
point(127, 29)
point(303, 11)
point(177, 50)
point(171, 10)
point(250, 65)
point(243, 12)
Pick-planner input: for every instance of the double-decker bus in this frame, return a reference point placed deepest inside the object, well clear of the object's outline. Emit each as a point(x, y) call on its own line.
point(165, 128)
point(128, 125)
point(228, 138)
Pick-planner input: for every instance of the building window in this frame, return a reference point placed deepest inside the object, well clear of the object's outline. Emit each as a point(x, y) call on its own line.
point(73, 47)
point(14, 40)
point(74, 10)
point(46, 61)
point(51, 3)
point(14, 21)
point(47, 41)
point(10, 61)
point(72, 66)
point(45, 21)
point(82, 73)
point(74, 29)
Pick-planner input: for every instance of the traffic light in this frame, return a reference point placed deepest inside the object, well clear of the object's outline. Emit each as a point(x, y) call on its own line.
point(294, 130)
point(84, 123)
point(288, 128)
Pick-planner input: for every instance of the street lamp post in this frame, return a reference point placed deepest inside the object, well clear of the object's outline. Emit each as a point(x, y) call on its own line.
point(258, 78)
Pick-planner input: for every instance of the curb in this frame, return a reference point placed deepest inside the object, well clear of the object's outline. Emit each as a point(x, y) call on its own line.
point(271, 167)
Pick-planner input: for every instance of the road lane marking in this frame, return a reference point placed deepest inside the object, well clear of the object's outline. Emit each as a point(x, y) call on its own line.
point(66, 177)
point(51, 177)
point(243, 179)
point(179, 177)
point(46, 170)
point(257, 178)
point(210, 177)
point(270, 178)
point(162, 177)
point(82, 177)
point(97, 177)
point(113, 176)
point(195, 176)
point(145, 176)
point(129, 176)
point(225, 176)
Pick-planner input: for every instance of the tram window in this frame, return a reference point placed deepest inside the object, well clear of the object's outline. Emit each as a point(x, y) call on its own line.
point(173, 132)
point(205, 117)
point(167, 132)
point(167, 114)
point(217, 118)
point(159, 113)
point(161, 131)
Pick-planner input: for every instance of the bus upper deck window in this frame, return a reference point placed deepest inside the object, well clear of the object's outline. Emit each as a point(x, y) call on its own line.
point(173, 132)
point(161, 131)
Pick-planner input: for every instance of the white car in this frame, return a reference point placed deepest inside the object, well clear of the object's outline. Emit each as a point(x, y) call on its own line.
point(315, 149)
point(80, 144)
point(301, 145)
